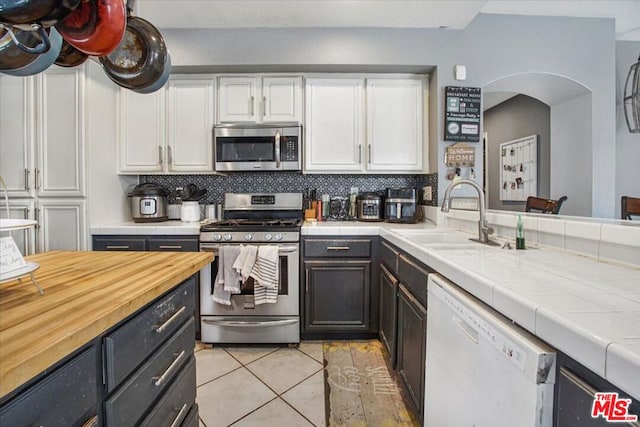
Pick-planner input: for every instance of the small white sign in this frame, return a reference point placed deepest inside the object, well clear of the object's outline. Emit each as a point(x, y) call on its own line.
point(10, 257)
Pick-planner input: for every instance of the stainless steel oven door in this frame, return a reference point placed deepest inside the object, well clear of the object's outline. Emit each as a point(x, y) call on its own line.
point(242, 304)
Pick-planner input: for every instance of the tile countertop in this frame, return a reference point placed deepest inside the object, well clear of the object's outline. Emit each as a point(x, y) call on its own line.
point(587, 309)
point(172, 227)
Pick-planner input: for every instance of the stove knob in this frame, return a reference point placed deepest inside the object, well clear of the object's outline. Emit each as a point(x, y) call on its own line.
point(268, 237)
point(217, 237)
point(248, 236)
point(278, 236)
point(227, 237)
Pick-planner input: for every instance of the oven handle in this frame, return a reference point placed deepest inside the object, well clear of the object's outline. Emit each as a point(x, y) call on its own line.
point(247, 324)
point(216, 248)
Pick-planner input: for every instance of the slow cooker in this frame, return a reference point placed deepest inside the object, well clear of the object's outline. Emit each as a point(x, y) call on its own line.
point(148, 203)
point(370, 207)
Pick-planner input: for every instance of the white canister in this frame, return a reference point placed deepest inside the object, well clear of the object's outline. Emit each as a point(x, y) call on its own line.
point(190, 212)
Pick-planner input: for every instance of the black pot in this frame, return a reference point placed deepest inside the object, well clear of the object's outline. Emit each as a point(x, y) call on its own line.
point(141, 58)
point(46, 12)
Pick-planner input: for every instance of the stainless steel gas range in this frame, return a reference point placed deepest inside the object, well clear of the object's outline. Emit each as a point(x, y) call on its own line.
point(255, 219)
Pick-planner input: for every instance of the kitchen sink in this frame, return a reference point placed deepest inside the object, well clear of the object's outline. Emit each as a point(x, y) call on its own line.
point(430, 237)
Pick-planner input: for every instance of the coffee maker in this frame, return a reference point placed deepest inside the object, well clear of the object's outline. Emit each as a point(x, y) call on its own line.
point(401, 205)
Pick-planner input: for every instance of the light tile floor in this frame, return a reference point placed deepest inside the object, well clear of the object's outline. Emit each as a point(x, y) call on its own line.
point(260, 386)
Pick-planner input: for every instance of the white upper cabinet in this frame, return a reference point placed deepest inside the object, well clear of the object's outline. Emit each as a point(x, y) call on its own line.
point(60, 137)
point(42, 148)
point(141, 145)
point(17, 115)
point(170, 130)
point(190, 104)
point(365, 125)
point(395, 117)
point(260, 99)
point(334, 127)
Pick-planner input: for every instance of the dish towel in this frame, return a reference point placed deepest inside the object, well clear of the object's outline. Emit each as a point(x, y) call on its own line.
point(266, 275)
point(245, 261)
point(227, 280)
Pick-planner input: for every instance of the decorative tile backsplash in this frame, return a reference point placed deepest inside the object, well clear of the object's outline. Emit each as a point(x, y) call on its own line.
point(256, 182)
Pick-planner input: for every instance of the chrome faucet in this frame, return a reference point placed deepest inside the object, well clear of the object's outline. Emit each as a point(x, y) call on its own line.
point(483, 228)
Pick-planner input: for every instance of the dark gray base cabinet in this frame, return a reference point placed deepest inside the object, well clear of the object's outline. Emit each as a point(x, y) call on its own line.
point(403, 319)
point(339, 290)
point(68, 396)
point(412, 338)
point(337, 295)
point(574, 393)
point(142, 371)
point(153, 243)
point(388, 312)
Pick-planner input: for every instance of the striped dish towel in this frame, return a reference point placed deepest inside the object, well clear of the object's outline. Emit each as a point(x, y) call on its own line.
point(266, 275)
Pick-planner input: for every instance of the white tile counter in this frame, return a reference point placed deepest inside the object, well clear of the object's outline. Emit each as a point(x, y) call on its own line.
point(587, 309)
point(172, 227)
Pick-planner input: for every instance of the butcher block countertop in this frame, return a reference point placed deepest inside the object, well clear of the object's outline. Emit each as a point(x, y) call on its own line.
point(86, 293)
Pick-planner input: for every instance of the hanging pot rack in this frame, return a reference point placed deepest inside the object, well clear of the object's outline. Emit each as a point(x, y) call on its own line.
point(631, 100)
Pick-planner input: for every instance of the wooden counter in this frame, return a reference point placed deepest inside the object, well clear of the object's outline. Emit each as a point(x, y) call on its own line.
point(86, 293)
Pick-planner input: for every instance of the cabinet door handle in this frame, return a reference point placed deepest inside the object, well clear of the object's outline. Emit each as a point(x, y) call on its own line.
point(37, 217)
point(306, 282)
point(26, 179)
point(170, 247)
point(170, 155)
point(359, 153)
point(251, 99)
point(338, 248)
point(36, 179)
point(164, 326)
point(369, 156)
point(117, 246)
point(159, 380)
point(160, 154)
point(178, 419)
point(264, 106)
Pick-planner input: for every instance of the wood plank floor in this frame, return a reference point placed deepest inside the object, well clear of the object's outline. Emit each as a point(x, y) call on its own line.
point(360, 388)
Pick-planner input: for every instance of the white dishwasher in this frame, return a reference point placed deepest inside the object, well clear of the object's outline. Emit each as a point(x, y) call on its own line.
point(481, 369)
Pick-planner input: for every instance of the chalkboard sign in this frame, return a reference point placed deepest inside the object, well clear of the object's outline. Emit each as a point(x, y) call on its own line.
point(462, 114)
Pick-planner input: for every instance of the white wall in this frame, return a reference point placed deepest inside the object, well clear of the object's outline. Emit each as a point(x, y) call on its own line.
point(106, 195)
point(627, 144)
point(573, 172)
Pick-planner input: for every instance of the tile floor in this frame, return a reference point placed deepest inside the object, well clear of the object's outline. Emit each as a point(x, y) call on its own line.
point(261, 385)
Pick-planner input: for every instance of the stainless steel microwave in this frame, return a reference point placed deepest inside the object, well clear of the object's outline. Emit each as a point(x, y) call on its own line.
point(258, 147)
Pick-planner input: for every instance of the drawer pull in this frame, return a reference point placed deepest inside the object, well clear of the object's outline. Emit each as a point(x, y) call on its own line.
point(164, 326)
point(163, 378)
point(178, 419)
point(91, 422)
point(117, 246)
point(338, 248)
point(170, 246)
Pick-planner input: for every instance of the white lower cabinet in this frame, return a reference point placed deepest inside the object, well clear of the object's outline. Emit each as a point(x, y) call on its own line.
point(21, 209)
point(365, 124)
point(61, 225)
